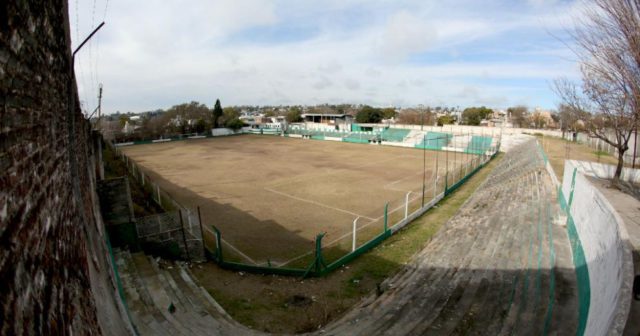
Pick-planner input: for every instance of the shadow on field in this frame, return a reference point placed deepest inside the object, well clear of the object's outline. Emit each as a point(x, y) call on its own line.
point(246, 238)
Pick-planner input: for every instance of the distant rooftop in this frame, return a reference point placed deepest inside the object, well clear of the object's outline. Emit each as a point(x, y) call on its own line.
point(324, 115)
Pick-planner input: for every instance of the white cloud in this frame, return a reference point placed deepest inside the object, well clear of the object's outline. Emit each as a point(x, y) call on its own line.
point(405, 34)
point(160, 53)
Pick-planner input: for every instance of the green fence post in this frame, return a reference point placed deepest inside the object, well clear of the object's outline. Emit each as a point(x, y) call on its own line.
point(386, 208)
point(319, 263)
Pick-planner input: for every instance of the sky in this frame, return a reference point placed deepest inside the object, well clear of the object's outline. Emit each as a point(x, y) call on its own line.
point(154, 54)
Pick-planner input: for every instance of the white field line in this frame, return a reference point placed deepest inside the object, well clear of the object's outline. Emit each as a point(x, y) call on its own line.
point(386, 186)
point(317, 203)
point(348, 234)
point(233, 248)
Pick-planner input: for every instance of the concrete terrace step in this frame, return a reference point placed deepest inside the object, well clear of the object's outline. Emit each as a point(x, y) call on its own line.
point(146, 317)
point(490, 270)
point(158, 297)
point(152, 287)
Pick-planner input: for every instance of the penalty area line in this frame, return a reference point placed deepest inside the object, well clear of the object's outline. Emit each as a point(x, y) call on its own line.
point(316, 203)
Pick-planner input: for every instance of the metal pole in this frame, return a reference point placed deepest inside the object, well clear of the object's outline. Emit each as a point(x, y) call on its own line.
point(435, 185)
point(184, 236)
point(635, 147)
point(386, 209)
point(99, 106)
point(87, 39)
point(406, 204)
point(355, 226)
point(424, 163)
point(204, 249)
point(446, 161)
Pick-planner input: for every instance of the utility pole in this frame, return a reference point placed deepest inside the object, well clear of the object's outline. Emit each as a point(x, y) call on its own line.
point(99, 105)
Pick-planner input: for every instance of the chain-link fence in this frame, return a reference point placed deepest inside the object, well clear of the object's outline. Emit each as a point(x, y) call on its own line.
point(168, 234)
point(175, 233)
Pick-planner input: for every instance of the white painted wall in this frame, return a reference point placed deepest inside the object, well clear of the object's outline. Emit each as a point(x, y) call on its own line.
point(479, 130)
point(604, 241)
point(221, 131)
point(605, 171)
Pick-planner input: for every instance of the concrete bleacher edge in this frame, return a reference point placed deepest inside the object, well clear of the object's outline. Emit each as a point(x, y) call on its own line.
point(602, 252)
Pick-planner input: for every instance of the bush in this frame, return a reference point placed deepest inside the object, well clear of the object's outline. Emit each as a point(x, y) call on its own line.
point(234, 124)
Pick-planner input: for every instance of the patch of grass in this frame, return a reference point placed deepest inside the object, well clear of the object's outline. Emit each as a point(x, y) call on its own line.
point(242, 310)
point(558, 150)
point(601, 153)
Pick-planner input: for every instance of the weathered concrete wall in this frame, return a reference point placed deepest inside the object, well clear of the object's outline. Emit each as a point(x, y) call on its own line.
point(55, 271)
point(601, 253)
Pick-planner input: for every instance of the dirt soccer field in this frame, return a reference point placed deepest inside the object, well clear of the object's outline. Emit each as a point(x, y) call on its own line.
point(270, 196)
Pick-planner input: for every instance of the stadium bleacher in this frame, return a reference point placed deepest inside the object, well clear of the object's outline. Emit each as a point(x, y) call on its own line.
point(394, 134)
point(479, 144)
point(434, 140)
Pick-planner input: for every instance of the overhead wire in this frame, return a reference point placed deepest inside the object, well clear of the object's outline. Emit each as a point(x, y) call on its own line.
point(92, 63)
point(88, 63)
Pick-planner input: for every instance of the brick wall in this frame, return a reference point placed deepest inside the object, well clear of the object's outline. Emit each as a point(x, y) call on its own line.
point(55, 272)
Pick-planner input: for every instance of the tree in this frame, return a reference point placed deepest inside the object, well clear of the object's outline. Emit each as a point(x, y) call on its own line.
point(473, 115)
point(228, 113)
point(234, 124)
point(368, 114)
point(388, 113)
point(414, 116)
point(571, 120)
point(608, 47)
point(446, 120)
point(294, 114)
point(538, 120)
point(217, 113)
point(123, 120)
point(200, 126)
point(518, 115)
